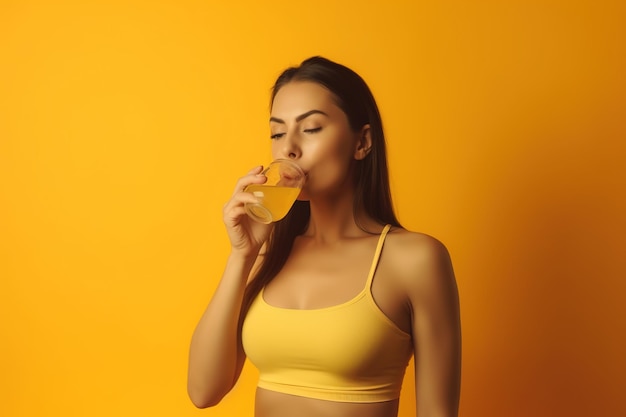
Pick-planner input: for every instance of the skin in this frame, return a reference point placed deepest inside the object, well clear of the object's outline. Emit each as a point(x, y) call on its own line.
point(414, 283)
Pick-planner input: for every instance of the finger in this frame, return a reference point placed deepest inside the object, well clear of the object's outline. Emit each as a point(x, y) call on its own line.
point(253, 177)
point(235, 213)
point(239, 200)
point(256, 170)
point(242, 197)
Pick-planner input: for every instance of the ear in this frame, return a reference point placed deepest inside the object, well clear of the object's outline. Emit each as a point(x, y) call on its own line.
point(364, 143)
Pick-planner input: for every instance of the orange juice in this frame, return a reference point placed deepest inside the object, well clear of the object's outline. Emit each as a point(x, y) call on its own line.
point(275, 201)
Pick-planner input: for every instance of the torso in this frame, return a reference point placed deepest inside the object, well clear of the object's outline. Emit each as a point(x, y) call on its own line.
point(340, 273)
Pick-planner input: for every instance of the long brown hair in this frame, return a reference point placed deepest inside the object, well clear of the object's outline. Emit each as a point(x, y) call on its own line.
point(372, 192)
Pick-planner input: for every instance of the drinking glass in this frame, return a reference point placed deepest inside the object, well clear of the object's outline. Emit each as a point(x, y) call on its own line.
point(276, 196)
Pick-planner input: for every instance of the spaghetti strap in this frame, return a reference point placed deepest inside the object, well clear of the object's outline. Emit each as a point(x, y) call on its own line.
point(379, 249)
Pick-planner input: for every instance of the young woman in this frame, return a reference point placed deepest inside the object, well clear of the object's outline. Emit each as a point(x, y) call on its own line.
point(331, 302)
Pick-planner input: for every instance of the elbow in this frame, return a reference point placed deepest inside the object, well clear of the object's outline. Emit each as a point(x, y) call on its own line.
point(205, 398)
point(205, 401)
point(201, 403)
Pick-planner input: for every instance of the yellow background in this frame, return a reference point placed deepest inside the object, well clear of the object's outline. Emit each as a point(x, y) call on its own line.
point(124, 125)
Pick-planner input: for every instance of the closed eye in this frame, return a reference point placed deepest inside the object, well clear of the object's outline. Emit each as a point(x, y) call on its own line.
point(314, 130)
point(277, 135)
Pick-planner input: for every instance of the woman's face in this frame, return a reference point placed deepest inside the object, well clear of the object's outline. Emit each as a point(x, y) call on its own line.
point(309, 128)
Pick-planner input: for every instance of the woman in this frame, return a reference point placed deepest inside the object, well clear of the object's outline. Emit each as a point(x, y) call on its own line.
point(329, 317)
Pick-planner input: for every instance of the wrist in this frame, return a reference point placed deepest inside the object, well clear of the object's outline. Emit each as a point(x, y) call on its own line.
point(244, 257)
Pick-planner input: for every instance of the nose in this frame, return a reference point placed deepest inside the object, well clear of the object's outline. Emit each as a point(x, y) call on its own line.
point(288, 147)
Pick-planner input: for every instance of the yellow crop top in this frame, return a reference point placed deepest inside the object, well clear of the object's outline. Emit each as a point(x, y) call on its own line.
point(351, 352)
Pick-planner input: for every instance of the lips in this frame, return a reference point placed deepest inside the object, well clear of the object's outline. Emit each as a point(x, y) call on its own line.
point(287, 176)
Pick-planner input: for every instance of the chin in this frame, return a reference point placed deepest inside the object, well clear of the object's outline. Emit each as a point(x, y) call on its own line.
point(303, 197)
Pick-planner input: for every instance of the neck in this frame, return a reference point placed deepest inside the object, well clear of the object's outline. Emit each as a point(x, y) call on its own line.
point(333, 220)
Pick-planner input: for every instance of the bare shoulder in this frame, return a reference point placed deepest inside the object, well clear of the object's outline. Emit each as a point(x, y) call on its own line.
point(418, 260)
point(412, 249)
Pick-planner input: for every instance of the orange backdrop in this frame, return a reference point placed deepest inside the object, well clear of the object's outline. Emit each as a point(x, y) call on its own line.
point(124, 125)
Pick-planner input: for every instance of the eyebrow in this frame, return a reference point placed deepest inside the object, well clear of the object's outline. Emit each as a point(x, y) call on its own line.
point(299, 118)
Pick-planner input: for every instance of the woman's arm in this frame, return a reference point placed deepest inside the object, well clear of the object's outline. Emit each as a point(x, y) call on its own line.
point(436, 329)
point(216, 354)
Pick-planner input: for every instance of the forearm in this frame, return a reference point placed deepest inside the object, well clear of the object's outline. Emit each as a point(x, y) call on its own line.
point(215, 358)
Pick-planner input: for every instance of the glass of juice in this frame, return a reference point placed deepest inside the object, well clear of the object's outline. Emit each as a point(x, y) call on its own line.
point(284, 182)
